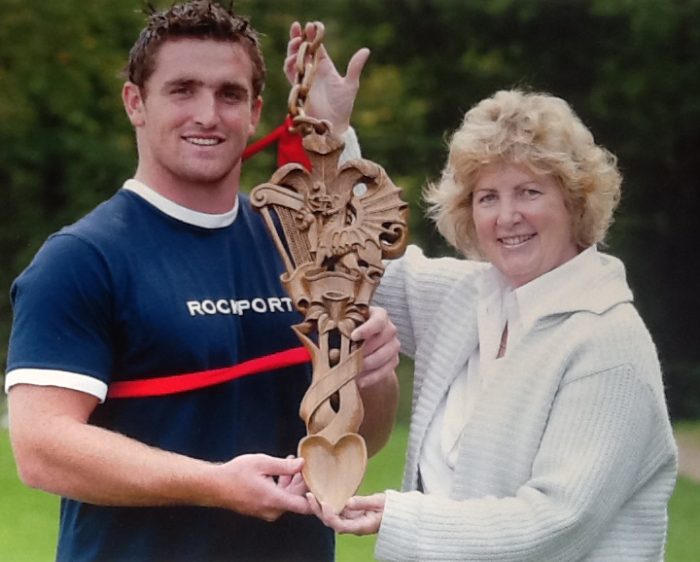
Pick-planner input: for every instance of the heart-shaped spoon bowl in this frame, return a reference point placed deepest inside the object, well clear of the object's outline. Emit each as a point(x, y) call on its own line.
point(333, 472)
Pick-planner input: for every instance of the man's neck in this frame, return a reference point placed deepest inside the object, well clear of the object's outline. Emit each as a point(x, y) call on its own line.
point(205, 197)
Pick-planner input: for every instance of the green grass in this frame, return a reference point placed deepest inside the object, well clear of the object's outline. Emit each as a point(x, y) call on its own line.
point(28, 519)
point(690, 429)
point(684, 523)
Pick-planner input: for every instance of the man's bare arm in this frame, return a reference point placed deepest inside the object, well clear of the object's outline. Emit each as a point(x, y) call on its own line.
point(58, 451)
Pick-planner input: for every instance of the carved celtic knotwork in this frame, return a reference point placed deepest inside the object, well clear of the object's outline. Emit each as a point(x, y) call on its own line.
point(333, 226)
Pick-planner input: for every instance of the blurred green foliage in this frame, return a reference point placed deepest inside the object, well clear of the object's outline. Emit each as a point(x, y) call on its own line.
point(630, 68)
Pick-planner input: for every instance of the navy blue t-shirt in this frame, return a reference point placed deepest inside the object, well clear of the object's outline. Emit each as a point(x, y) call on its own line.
point(129, 293)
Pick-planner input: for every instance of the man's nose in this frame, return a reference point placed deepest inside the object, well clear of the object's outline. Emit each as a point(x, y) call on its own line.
point(206, 111)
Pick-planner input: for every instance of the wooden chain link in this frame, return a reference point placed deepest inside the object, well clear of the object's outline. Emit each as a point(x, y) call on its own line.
point(306, 64)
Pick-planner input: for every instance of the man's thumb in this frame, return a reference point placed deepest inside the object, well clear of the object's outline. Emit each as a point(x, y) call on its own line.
point(287, 466)
point(356, 64)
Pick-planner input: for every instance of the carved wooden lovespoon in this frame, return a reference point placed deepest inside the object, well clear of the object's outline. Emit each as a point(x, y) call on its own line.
point(332, 226)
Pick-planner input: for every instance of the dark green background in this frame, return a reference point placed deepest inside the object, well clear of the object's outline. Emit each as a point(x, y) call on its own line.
point(630, 68)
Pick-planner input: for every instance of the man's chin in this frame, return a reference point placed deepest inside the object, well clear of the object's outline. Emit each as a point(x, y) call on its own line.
point(208, 177)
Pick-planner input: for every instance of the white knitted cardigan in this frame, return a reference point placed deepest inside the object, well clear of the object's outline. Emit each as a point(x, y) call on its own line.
point(569, 453)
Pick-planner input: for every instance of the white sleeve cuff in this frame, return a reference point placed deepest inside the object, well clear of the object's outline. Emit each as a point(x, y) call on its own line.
point(352, 146)
point(62, 379)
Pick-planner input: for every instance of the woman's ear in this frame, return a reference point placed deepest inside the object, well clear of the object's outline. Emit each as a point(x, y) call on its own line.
point(133, 103)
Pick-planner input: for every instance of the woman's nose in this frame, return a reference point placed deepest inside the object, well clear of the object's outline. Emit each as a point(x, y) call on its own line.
point(508, 213)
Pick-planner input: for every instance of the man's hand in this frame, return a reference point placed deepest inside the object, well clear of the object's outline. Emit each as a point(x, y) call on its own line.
point(380, 349)
point(292, 483)
point(378, 384)
point(262, 486)
point(332, 96)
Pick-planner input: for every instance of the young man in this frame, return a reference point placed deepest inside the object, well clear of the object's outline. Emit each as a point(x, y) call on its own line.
point(161, 287)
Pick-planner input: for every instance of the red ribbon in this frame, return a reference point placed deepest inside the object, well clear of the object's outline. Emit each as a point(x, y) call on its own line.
point(289, 145)
point(174, 384)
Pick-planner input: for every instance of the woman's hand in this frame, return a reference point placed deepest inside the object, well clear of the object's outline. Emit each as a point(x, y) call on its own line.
point(362, 515)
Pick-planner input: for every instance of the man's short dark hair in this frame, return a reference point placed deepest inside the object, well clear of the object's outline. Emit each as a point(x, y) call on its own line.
point(197, 19)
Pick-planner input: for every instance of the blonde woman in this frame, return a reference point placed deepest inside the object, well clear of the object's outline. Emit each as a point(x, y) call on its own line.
point(539, 428)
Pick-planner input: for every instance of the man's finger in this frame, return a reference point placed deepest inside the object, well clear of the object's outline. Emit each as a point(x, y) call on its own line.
point(294, 30)
point(273, 466)
point(310, 31)
point(374, 324)
point(356, 64)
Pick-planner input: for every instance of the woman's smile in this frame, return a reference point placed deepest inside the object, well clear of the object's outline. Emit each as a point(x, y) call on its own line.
point(522, 223)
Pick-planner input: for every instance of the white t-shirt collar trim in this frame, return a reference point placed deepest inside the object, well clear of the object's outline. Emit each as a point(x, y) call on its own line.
point(172, 209)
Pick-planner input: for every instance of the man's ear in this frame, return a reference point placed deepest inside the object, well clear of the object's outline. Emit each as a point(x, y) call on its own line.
point(255, 112)
point(133, 103)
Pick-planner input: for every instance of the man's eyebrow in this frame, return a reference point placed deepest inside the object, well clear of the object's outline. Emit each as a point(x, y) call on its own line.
point(227, 84)
point(181, 82)
point(235, 85)
point(236, 88)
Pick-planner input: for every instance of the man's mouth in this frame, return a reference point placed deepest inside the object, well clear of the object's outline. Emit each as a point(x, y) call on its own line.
point(514, 241)
point(203, 141)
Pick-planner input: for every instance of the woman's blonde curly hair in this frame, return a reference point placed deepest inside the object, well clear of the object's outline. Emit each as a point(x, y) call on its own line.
point(542, 133)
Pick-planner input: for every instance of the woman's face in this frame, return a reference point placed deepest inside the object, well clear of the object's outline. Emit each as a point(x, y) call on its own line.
point(522, 224)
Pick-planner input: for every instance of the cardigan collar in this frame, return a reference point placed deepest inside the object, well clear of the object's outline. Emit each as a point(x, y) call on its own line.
point(590, 282)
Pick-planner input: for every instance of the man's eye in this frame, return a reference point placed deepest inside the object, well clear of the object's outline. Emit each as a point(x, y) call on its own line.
point(233, 95)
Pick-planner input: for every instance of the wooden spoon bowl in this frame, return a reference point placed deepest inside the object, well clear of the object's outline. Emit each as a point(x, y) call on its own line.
point(333, 471)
